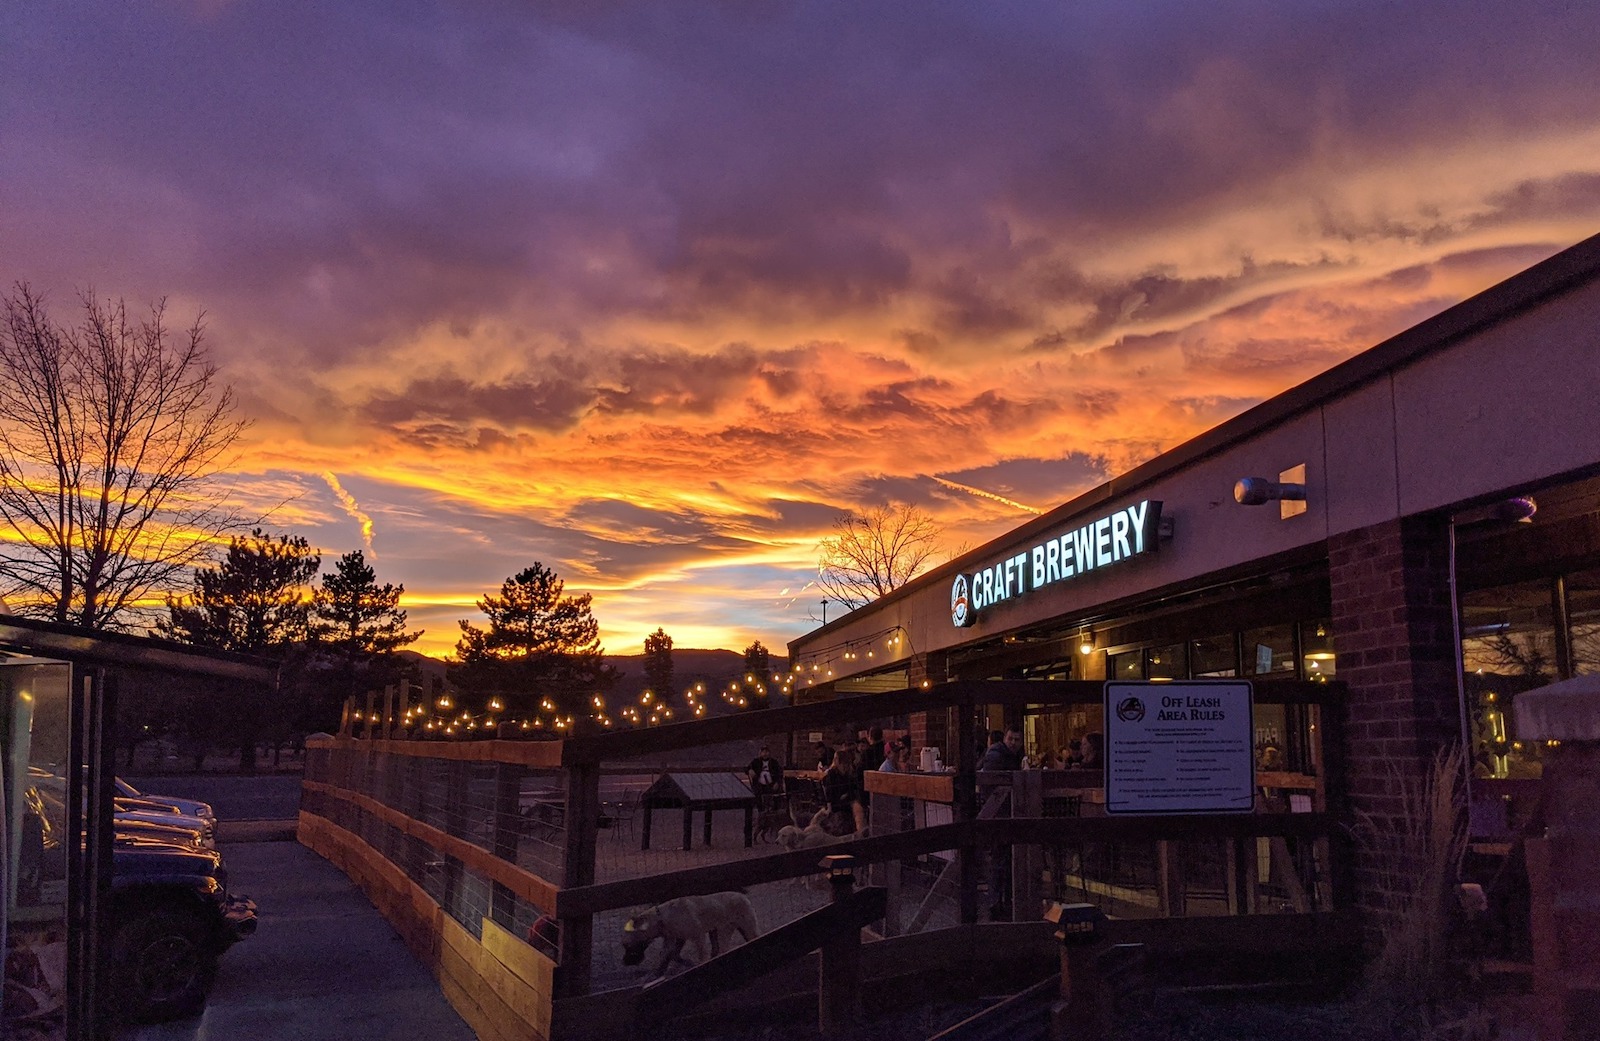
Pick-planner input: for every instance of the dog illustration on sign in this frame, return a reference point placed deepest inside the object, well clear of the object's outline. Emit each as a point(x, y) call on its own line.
point(703, 921)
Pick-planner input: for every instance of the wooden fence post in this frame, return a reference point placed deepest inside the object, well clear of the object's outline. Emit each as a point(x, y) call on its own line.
point(968, 857)
point(582, 829)
point(839, 977)
point(1027, 800)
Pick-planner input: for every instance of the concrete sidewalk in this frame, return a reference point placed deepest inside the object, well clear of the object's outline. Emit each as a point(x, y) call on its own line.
point(323, 966)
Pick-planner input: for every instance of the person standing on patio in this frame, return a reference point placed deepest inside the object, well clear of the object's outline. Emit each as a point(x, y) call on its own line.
point(765, 774)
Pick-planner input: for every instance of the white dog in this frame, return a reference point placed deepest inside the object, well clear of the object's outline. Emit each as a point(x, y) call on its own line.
point(811, 836)
point(698, 920)
point(793, 838)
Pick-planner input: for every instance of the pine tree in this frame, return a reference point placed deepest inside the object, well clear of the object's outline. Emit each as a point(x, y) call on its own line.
point(357, 626)
point(658, 666)
point(754, 682)
point(540, 646)
point(254, 602)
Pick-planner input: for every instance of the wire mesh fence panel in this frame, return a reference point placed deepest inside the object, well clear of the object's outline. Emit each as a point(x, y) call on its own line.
point(539, 818)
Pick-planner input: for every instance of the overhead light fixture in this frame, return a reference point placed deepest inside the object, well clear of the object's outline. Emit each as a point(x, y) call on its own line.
point(1085, 641)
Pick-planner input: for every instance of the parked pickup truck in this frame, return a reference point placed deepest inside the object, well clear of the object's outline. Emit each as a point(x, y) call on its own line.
point(170, 918)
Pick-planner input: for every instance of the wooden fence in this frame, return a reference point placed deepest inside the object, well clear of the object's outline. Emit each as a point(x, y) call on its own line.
point(438, 835)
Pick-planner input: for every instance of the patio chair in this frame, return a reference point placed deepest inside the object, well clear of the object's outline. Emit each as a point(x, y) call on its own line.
point(622, 812)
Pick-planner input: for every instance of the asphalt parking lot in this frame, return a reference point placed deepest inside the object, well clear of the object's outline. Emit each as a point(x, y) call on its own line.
point(322, 966)
point(235, 798)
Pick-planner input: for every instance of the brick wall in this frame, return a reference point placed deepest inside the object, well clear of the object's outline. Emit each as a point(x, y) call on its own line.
point(1394, 636)
point(929, 729)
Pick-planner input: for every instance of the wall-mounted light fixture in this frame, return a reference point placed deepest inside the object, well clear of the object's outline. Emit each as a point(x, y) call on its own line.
point(1289, 491)
point(1085, 641)
point(1518, 509)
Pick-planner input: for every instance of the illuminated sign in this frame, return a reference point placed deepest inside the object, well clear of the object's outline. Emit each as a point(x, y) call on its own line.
point(1100, 543)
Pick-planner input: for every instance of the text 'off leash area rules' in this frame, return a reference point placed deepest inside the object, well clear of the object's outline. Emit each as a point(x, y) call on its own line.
point(1179, 747)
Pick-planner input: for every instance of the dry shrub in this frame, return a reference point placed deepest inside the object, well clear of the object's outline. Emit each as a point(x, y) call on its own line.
point(1412, 985)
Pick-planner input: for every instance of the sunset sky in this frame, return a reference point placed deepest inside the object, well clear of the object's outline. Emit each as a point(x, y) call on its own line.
point(653, 291)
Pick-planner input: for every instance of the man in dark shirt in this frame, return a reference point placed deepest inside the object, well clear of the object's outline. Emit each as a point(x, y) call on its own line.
point(766, 784)
point(875, 749)
point(1004, 754)
point(765, 773)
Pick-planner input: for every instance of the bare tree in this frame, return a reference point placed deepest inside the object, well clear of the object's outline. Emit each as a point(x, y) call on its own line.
point(111, 433)
point(875, 552)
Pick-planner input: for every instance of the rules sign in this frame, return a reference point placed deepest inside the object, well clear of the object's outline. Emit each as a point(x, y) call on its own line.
point(1179, 747)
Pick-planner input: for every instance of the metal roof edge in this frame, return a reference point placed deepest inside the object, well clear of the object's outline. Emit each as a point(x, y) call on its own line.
point(76, 642)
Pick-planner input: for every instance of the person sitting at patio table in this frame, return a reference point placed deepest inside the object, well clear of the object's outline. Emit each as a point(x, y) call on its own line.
point(1091, 752)
point(897, 760)
point(1004, 754)
point(841, 795)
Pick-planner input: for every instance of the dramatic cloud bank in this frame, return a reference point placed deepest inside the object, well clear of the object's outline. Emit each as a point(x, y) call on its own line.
point(651, 292)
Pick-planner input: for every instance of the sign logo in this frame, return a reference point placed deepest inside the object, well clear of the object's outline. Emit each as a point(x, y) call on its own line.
point(1130, 709)
point(960, 610)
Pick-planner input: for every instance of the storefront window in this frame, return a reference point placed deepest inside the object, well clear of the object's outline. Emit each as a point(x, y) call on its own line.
point(1271, 732)
point(1583, 614)
point(1269, 650)
point(1216, 657)
point(1166, 663)
point(1508, 646)
point(1129, 665)
point(1316, 650)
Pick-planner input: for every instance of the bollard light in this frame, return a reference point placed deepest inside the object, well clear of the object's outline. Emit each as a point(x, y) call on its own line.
point(1075, 923)
point(841, 867)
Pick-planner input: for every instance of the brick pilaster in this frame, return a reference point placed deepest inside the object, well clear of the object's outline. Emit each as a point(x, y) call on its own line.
point(1390, 587)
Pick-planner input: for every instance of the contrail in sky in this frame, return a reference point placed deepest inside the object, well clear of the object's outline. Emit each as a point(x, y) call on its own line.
point(980, 493)
point(353, 508)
